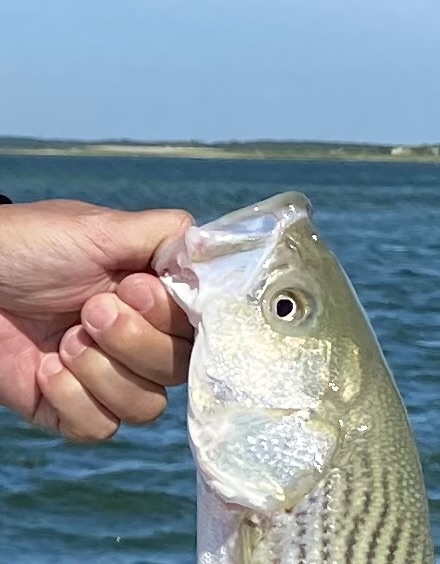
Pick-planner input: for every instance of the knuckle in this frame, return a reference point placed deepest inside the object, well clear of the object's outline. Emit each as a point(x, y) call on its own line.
point(184, 218)
point(132, 330)
point(135, 418)
point(106, 432)
point(145, 412)
point(126, 336)
point(99, 433)
point(92, 365)
point(181, 218)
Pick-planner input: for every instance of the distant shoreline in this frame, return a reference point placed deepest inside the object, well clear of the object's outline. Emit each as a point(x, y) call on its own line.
point(252, 150)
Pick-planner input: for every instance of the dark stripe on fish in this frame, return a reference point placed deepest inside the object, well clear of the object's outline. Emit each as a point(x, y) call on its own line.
point(375, 537)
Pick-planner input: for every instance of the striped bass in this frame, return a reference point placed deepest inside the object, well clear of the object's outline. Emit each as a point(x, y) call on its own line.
point(303, 446)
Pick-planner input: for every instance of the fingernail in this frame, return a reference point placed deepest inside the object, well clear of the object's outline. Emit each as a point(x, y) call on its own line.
point(51, 364)
point(76, 343)
point(102, 313)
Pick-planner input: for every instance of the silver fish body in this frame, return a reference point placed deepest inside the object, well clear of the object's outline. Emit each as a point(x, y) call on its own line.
point(303, 447)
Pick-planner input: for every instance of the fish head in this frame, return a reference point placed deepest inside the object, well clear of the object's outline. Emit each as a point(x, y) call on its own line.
point(275, 316)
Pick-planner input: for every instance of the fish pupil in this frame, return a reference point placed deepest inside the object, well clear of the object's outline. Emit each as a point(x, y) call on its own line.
point(285, 307)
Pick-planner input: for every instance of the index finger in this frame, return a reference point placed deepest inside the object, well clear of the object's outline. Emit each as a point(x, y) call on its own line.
point(146, 294)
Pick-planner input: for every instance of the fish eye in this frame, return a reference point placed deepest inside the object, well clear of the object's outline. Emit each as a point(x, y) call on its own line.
point(290, 306)
point(285, 307)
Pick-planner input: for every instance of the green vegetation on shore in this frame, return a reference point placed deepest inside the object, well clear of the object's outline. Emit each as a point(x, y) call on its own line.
point(260, 149)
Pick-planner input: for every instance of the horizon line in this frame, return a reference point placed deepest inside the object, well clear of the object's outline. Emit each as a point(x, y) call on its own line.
point(204, 142)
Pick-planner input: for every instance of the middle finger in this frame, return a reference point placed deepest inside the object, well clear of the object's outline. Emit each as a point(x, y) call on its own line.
point(134, 342)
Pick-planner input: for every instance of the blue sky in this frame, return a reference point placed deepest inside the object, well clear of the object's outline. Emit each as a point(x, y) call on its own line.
point(221, 69)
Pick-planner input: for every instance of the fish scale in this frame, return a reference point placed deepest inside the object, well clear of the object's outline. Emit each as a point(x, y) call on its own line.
point(302, 443)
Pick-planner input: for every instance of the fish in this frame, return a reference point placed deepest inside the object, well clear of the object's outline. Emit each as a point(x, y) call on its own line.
point(302, 443)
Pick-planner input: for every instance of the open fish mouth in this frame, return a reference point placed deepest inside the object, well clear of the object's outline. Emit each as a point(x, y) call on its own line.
point(227, 254)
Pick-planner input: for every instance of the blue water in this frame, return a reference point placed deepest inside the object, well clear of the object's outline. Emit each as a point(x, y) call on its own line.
point(132, 500)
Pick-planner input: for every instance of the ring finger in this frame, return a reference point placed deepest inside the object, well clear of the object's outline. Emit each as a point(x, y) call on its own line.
point(128, 396)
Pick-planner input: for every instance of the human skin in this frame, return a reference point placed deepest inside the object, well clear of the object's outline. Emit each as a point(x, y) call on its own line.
point(88, 335)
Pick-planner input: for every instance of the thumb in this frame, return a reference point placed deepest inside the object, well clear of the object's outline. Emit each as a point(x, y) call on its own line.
point(137, 235)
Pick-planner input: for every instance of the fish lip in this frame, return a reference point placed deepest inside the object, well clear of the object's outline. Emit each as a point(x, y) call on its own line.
point(217, 239)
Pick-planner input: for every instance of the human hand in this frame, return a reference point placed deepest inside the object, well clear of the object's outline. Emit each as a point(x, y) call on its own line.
point(88, 335)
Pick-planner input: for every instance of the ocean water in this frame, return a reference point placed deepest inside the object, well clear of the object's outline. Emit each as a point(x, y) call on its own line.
point(132, 500)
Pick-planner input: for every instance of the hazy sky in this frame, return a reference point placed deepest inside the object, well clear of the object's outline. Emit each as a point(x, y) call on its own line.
point(219, 69)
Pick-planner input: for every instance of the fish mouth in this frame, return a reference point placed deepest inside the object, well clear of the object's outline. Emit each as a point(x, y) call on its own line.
point(248, 228)
point(227, 255)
